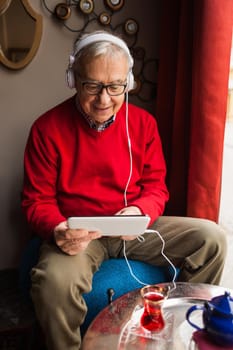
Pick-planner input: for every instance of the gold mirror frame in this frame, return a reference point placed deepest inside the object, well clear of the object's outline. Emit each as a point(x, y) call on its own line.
point(36, 42)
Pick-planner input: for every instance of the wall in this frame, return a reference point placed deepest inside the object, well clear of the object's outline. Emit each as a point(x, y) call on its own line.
point(26, 93)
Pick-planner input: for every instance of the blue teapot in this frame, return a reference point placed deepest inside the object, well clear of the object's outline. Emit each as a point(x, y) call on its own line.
point(217, 315)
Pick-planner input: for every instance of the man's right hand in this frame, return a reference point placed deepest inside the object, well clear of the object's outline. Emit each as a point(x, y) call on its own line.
point(72, 241)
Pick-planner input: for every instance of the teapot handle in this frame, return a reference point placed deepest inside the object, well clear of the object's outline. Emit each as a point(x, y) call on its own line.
point(188, 314)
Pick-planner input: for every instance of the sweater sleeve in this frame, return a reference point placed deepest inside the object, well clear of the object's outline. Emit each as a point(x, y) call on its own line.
point(39, 201)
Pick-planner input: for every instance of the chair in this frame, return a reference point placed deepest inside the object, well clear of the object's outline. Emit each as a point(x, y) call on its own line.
point(112, 280)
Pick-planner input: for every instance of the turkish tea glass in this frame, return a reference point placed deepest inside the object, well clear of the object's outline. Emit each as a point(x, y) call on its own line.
point(153, 298)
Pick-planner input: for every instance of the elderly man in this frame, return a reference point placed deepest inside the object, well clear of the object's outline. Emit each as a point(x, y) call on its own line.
point(94, 155)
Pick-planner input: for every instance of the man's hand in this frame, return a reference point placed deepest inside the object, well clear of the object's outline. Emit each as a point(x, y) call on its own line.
point(129, 211)
point(72, 242)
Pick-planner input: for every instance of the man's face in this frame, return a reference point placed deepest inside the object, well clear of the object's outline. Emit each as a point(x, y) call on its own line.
point(105, 70)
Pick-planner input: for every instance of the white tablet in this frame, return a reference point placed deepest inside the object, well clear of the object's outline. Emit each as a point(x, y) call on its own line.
point(116, 225)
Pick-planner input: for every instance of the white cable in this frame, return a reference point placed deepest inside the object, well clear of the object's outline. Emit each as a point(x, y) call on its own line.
point(130, 151)
point(163, 254)
point(140, 238)
point(130, 269)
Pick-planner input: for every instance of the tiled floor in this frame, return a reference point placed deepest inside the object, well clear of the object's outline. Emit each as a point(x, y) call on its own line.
point(226, 209)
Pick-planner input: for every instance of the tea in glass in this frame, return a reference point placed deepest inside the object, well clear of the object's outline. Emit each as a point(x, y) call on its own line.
point(153, 297)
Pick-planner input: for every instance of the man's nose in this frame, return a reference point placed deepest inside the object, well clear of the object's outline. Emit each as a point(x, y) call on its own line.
point(103, 94)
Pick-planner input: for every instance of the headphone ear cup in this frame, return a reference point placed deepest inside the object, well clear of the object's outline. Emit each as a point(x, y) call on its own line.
point(70, 78)
point(130, 81)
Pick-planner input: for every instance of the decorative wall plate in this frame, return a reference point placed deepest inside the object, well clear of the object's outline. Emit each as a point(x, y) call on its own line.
point(131, 26)
point(62, 11)
point(104, 18)
point(114, 5)
point(86, 6)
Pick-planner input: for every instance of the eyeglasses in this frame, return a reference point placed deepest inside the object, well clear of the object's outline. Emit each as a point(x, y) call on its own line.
point(97, 88)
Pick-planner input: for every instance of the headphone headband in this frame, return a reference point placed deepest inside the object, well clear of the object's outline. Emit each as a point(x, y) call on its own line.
point(93, 38)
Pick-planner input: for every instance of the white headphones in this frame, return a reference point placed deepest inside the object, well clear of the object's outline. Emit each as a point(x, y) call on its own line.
point(90, 39)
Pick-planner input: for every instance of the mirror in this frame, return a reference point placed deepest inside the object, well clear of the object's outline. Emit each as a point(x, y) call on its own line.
point(20, 33)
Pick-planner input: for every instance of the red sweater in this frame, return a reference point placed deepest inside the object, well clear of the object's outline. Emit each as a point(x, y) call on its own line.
point(73, 170)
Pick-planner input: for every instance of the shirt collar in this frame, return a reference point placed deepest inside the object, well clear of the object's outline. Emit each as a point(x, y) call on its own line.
point(91, 122)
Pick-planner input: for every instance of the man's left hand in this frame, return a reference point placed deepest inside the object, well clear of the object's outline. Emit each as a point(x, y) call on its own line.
point(129, 211)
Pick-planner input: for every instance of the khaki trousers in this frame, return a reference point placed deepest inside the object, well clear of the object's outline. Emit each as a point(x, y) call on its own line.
point(196, 246)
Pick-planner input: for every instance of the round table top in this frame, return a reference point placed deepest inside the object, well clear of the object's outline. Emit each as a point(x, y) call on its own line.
point(117, 326)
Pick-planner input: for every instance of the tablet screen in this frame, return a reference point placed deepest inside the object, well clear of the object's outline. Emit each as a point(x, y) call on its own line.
point(116, 225)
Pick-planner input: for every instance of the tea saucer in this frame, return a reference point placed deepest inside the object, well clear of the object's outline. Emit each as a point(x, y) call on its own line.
point(133, 330)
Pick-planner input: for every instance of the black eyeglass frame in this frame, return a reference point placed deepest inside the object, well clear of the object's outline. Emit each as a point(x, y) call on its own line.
point(101, 86)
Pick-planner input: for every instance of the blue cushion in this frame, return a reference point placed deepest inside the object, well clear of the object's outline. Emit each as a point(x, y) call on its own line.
point(113, 273)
